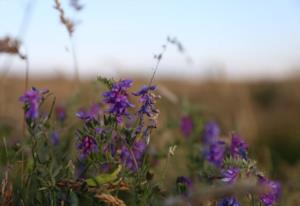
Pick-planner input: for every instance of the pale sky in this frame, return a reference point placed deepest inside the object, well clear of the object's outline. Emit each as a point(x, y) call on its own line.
point(257, 38)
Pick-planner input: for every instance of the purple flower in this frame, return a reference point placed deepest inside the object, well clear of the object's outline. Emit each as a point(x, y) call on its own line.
point(133, 159)
point(55, 138)
point(230, 175)
point(186, 126)
point(238, 148)
point(211, 132)
point(60, 113)
point(118, 100)
point(229, 201)
point(184, 184)
point(215, 153)
point(271, 197)
point(147, 98)
point(87, 145)
point(91, 114)
point(32, 100)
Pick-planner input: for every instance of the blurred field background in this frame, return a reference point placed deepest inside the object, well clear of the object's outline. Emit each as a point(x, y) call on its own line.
point(267, 113)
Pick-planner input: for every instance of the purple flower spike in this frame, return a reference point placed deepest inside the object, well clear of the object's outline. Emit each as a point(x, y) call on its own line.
point(147, 98)
point(32, 100)
point(230, 175)
point(184, 184)
point(128, 159)
point(229, 201)
point(238, 148)
point(118, 100)
point(215, 153)
point(91, 114)
point(272, 196)
point(87, 145)
point(211, 132)
point(186, 126)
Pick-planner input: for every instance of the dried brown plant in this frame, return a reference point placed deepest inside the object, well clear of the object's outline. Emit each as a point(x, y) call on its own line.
point(6, 192)
point(10, 45)
point(69, 24)
point(110, 200)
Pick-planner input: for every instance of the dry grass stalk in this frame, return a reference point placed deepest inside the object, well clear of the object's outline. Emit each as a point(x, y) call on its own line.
point(6, 192)
point(110, 200)
point(11, 46)
point(69, 24)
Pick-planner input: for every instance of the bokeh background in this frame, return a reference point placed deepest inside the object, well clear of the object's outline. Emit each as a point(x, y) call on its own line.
point(238, 61)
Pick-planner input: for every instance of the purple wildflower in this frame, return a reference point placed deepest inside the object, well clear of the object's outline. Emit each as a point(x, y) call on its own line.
point(215, 153)
point(184, 184)
point(229, 201)
point(55, 138)
point(147, 98)
point(87, 145)
point(133, 160)
point(60, 113)
point(239, 147)
point(91, 114)
point(211, 132)
point(271, 197)
point(32, 100)
point(118, 100)
point(186, 125)
point(230, 175)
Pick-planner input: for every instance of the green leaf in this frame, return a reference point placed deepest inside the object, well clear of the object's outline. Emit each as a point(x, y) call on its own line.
point(104, 178)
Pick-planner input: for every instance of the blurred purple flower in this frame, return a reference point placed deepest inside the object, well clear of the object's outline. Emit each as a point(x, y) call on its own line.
point(186, 125)
point(118, 100)
point(147, 98)
point(272, 196)
point(55, 137)
point(238, 148)
point(184, 184)
point(91, 114)
point(60, 113)
point(214, 153)
point(211, 132)
point(87, 145)
point(32, 100)
point(230, 175)
point(229, 201)
point(128, 159)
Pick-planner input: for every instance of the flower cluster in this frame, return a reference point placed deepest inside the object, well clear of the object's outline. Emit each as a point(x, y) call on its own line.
point(32, 100)
point(118, 100)
point(230, 162)
point(271, 197)
point(214, 147)
point(219, 153)
point(121, 140)
point(132, 157)
point(87, 145)
point(91, 114)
